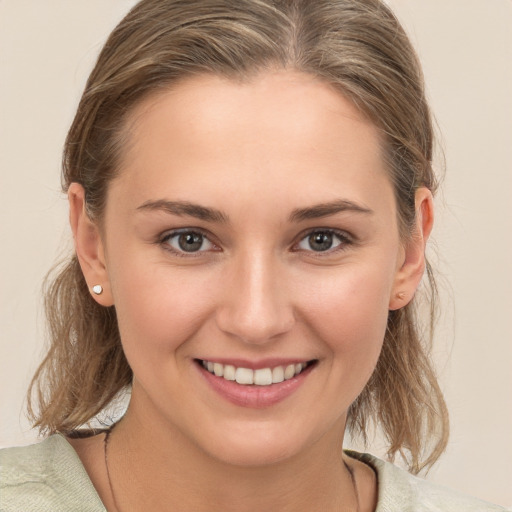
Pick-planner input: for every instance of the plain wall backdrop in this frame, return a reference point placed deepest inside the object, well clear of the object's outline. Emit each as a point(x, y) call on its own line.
point(47, 48)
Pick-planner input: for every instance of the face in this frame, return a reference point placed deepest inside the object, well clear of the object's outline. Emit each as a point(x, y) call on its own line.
point(251, 236)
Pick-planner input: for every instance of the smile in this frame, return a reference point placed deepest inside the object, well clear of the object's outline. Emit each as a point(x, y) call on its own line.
point(261, 387)
point(259, 377)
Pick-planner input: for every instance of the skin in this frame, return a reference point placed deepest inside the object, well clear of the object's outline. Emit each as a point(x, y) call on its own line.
point(257, 152)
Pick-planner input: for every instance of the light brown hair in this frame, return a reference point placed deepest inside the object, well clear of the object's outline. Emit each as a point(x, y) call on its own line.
point(359, 47)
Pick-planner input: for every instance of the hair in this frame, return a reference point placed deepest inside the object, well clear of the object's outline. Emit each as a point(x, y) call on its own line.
point(356, 46)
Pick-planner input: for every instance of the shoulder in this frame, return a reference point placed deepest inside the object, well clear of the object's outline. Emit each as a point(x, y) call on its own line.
point(399, 490)
point(47, 476)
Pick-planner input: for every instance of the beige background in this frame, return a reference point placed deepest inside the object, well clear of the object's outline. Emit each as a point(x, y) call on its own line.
point(46, 50)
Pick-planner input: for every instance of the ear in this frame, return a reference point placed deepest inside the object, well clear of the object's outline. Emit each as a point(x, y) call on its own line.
point(88, 246)
point(409, 275)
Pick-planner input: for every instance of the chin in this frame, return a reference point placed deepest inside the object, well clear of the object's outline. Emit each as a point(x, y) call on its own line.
point(259, 444)
point(252, 454)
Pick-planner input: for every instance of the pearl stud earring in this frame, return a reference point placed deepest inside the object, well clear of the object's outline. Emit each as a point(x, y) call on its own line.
point(97, 289)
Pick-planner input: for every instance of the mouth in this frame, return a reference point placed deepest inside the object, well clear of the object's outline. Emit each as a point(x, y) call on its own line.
point(264, 385)
point(256, 377)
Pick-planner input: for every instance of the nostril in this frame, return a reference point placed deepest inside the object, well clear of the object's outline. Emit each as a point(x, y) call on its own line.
point(249, 327)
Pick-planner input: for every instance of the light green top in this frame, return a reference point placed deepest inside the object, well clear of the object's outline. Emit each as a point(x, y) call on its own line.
point(49, 477)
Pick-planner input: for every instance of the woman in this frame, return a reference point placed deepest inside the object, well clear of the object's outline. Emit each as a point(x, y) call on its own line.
point(250, 191)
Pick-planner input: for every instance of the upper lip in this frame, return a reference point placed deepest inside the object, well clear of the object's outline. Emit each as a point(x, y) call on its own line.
point(256, 364)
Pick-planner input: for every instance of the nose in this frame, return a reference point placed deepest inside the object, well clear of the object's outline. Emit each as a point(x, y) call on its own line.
point(256, 306)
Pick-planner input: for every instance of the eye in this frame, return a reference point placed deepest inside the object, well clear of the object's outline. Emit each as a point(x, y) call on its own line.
point(323, 240)
point(188, 242)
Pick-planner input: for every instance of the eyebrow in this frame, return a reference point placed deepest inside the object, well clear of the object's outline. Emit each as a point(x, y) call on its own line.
point(326, 209)
point(185, 208)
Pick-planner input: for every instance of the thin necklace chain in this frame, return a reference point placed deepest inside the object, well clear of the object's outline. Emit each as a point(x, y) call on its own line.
point(354, 485)
point(105, 449)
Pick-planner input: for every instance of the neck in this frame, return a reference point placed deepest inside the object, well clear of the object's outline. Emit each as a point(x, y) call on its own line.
point(161, 469)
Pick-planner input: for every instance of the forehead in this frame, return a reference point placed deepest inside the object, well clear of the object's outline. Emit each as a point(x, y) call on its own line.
point(281, 130)
point(295, 103)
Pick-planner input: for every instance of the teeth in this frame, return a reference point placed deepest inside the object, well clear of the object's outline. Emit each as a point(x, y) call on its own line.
point(218, 369)
point(277, 374)
point(229, 372)
point(261, 377)
point(289, 371)
point(244, 376)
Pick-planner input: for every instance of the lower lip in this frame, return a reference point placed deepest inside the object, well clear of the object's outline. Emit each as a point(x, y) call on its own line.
point(256, 397)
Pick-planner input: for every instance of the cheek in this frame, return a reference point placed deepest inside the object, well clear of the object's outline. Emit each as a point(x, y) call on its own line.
point(348, 311)
point(158, 307)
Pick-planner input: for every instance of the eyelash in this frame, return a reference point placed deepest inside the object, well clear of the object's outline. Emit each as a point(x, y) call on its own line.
point(345, 240)
point(164, 241)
